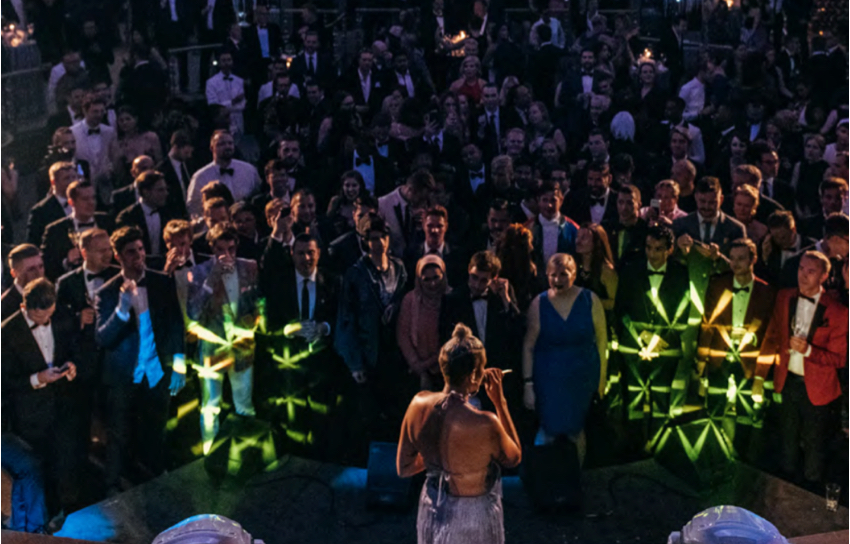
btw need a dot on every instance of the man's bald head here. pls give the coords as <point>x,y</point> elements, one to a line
<point>142,163</point>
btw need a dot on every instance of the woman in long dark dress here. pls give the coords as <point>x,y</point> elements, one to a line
<point>564,354</point>
<point>460,448</point>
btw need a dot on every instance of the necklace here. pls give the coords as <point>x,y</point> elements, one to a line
<point>459,396</point>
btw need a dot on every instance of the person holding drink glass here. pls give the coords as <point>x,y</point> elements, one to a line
<point>222,303</point>
<point>808,335</point>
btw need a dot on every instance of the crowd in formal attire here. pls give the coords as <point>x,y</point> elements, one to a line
<point>635,237</point>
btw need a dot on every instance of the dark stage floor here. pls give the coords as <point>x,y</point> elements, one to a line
<point>306,501</point>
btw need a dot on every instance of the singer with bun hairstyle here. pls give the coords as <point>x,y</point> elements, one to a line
<point>460,448</point>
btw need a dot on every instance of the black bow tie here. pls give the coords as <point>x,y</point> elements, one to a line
<point>360,160</point>
<point>228,78</point>
<point>810,299</point>
<point>476,175</point>
<point>225,171</point>
<point>736,290</point>
<point>34,326</point>
<point>85,225</point>
<point>103,274</point>
<point>481,297</point>
<point>94,131</point>
<point>655,273</point>
<point>587,73</point>
<point>597,201</point>
<point>187,264</point>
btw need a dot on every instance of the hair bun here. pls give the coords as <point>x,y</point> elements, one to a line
<point>461,332</point>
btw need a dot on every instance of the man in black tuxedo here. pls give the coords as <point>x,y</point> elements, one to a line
<point>771,186</point>
<point>348,248</point>
<point>389,147</point>
<point>596,203</point>
<point>782,243</point>
<point>75,292</point>
<point>311,65</point>
<point>544,66</point>
<point>443,147</point>
<point>39,362</point>
<point>435,225</point>
<point>75,295</point>
<point>747,174</point>
<point>307,219</point>
<point>216,211</point>
<point>834,245</point>
<point>25,265</point>
<point>72,113</point>
<point>365,86</point>
<point>125,197</point>
<point>61,254</point>
<point>178,173</point>
<point>147,84</point>
<point>279,187</point>
<point>376,170</point>
<point>738,308</point>
<point>55,205</point>
<point>705,236</point>
<point>650,319</point>
<point>832,193</point>
<point>263,40</point>
<point>627,235</point>
<point>298,292</point>
<point>150,214</point>
<point>140,328</point>
<point>487,305</point>
<point>471,177</point>
<point>175,23</point>
<point>412,85</point>
<point>489,125</point>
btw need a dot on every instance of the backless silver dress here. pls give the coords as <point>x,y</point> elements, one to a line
<point>446,519</point>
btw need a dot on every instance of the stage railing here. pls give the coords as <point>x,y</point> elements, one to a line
<point>24,99</point>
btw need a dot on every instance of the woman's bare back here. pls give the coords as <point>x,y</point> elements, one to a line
<point>457,439</point>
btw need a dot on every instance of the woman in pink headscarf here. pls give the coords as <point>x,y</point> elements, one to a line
<point>417,329</point>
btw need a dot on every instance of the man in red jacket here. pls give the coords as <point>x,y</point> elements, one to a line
<point>808,333</point>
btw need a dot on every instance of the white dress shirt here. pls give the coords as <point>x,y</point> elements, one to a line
<point>551,232</point>
<point>740,303</point>
<point>438,251</point>
<point>92,285</point>
<point>66,207</point>
<point>221,90</point>
<point>405,81</point>
<point>693,93</point>
<point>311,289</point>
<point>367,170</point>
<point>267,90</point>
<point>802,323</point>
<point>476,182</point>
<point>94,148</point>
<point>656,279</point>
<point>178,168</point>
<point>702,222</point>
<point>479,307</point>
<point>263,36</point>
<point>172,10</point>
<point>153,221</point>
<point>586,83</point>
<point>365,85</point>
<point>43,335</point>
<point>597,211</point>
<point>243,183</point>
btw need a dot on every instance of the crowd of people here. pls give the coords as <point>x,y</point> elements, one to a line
<point>615,226</point>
